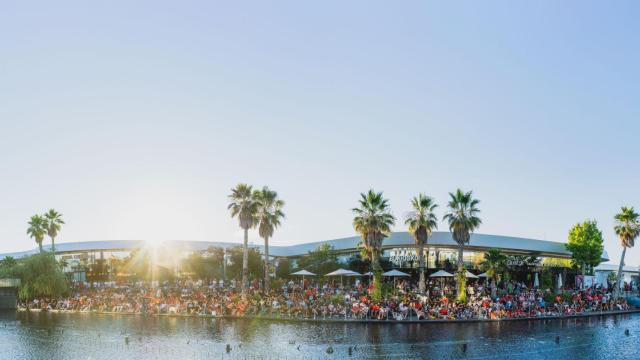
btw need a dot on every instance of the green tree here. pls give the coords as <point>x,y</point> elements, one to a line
<point>40,276</point>
<point>463,220</point>
<point>627,228</point>
<point>215,256</point>
<point>373,221</point>
<point>269,216</point>
<point>53,223</point>
<point>421,221</point>
<point>8,262</point>
<point>284,269</point>
<point>494,261</point>
<point>8,267</point>
<point>63,263</point>
<point>320,261</point>
<point>358,263</point>
<point>255,265</point>
<point>205,265</point>
<point>37,229</point>
<point>585,243</point>
<point>244,207</point>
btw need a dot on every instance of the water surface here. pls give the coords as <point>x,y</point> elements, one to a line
<point>93,336</point>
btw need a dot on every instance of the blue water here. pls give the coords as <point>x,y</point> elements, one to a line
<point>92,336</point>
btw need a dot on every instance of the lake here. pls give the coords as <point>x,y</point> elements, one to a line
<point>94,336</point>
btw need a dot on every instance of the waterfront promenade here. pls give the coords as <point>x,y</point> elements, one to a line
<point>336,319</point>
<point>332,303</point>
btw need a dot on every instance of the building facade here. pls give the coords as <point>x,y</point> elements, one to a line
<point>103,259</point>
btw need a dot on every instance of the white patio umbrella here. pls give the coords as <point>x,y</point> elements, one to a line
<point>483,275</point>
<point>354,273</point>
<point>536,282</point>
<point>368,273</point>
<point>303,273</point>
<point>395,273</point>
<point>441,273</point>
<point>469,275</point>
<point>340,272</point>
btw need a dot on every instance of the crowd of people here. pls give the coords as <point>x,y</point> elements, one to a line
<point>329,301</point>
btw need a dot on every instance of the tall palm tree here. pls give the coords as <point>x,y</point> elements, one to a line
<point>463,220</point>
<point>627,228</point>
<point>269,216</point>
<point>493,262</point>
<point>244,207</point>
<point>53,223</point>
<point>37,229</point>
<point>373,220</point>
<point>421,221</point>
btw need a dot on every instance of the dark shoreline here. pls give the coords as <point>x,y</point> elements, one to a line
<point>339,320</point>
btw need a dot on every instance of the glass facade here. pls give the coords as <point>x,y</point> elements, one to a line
<point>447,258</point>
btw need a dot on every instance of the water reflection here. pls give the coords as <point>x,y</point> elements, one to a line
<point>82,336</point>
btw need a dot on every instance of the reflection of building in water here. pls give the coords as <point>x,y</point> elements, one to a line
<point>105,259</point>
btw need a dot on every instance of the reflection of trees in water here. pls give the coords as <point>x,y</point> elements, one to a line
<point>48,339</point>
<point>245,330</point>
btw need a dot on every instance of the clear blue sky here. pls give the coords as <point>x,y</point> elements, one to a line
<point>135,120</point>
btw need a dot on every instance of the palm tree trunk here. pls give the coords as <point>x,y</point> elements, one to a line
<point>40,246</point>
<point>459,287</point>
<point>421,286</point>
<point>245,260</point>
<point>377,275</point>
<point>266,264</point>
<point>493,287</point>
<point>616,291</point>
<point>53,244</point>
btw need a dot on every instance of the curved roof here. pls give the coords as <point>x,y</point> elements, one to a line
<point>440,239</point>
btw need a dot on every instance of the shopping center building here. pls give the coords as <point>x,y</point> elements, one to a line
<point>398,249</point>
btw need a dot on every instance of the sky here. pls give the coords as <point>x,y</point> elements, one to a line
<point>136,119</point>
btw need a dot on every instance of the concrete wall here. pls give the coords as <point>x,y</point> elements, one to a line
<point>8,298</point>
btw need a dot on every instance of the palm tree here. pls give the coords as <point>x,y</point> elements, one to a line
<point>493,262</point>
<point>268,216</point>
<point>373,220</point>
<point>421,221</point>
<point>53,222</point>
<point>37,229</point>
<point>244,207</point>
<point>463,220</point>
<point>63,264</point>
<point>627,228</point>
